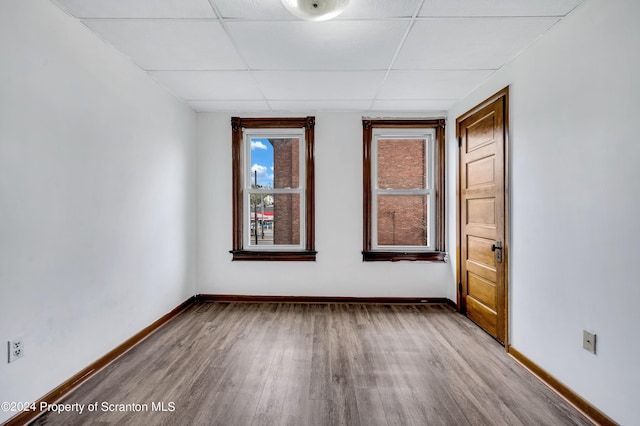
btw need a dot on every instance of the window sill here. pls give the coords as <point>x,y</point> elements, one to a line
<point>396,256</point>
<point>308,256</point>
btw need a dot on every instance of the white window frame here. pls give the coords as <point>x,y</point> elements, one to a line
<point>265,133</point>
<point>429,135</point>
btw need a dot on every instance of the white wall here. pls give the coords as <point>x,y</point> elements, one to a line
<point>575,100</point>
<point>339,270</point>
<point>97,198</point>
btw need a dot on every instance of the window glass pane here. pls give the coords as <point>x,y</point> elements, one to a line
<point>275,163</point>
<point>275,219</point>
<point>403,220</point>
<point>261,163</point>
<point>402,163</point>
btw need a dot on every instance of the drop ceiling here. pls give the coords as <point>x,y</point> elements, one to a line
<point>379,55</point>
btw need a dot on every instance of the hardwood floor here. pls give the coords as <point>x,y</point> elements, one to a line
<point>310,364</point>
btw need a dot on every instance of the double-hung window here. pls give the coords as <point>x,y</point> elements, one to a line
<point>403,190</point>
<point>273,188</point>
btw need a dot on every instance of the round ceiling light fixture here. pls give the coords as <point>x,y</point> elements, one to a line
<point>316,10</point>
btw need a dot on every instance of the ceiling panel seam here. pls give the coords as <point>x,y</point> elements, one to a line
<point>235,46</point>
<point>395,55</point>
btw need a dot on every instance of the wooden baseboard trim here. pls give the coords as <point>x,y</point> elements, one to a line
<point>62,390</point>
<point>580,403</point>
<point>325,299</point>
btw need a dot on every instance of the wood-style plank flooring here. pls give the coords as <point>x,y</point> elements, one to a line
<point>312,364</point>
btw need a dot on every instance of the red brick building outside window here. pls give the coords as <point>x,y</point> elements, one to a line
<point>403,189</point>
<point>286,207</point>
<point>403,219</point>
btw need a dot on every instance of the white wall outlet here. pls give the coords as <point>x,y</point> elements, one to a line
<point>589,341</point>
<point>16,349</point>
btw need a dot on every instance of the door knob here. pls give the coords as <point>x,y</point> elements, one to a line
<point>497,247</point>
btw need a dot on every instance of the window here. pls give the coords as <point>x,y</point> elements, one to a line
<point>273,188</point>
<point>403,190</point>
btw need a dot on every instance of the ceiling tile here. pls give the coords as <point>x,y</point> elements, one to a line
<point>498,7</point>
<point>431,84</point>
<point>459,43</point>
<point>230,105</point>
<point>273,9</point>
<point>209,85</point>
<point>379,9</point>
<point>138,8</point>
<point>413,106</point>
<point>319,85</point>
<point>253,9</point>
<point>287,64</point>
<point>332,45</point>
<point>320,105</point>
<point>170,44</point>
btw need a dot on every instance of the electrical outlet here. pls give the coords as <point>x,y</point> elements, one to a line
<point>589,341</point>
<point>16,349</point>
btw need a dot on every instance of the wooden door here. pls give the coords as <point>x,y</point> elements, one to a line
<point>482,135</point>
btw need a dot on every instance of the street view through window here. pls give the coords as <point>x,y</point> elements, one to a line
<point>274,193</point>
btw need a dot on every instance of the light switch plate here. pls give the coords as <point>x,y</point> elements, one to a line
<point>589,341</point>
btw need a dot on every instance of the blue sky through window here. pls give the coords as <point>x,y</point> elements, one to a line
<point>262,161</point>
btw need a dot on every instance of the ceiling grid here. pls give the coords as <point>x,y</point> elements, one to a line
<point>378,55</point>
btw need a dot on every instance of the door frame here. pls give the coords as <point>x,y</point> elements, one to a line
<point>504,93</point>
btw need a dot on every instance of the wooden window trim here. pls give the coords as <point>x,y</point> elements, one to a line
<point>437,255</point>
<point>238,251</point>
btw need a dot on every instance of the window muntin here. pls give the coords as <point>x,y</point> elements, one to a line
<point>273,188</point>
<point>403,189</point>
<point>403,193</point>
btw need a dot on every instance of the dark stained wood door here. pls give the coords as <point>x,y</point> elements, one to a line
<point>482,134</point>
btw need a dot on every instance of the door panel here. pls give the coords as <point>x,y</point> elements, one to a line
<point>482,315</point>
<point>488,274</point>
<point>481,172</point>
<point>481,211</point>
<point>482,136</point>
<point>481,132</point>
<point>479,252</point>
<point>484,291</point>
